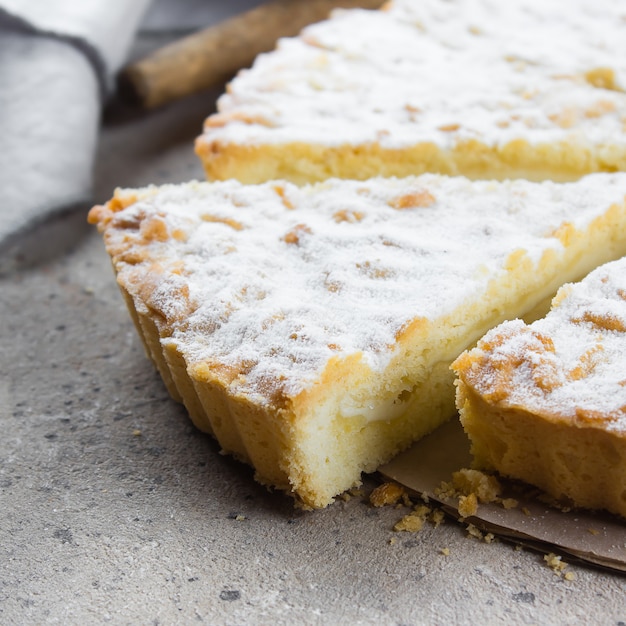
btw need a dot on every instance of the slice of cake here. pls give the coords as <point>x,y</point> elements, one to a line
<point>311,329</point>
<point>531,89</point>
<point>546,402</point>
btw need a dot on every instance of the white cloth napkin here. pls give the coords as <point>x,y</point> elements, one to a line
<point>57,60</point>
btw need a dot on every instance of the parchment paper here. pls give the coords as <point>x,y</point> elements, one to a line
<point>596,538</point>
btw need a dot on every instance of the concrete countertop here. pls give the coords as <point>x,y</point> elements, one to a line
<point>115,509</point>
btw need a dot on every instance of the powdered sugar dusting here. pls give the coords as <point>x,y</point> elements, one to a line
<point>442,71</point>
<point>275,280</point>
<point>572,363</point>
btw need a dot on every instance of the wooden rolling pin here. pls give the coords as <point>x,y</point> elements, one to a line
<point>212,56</point>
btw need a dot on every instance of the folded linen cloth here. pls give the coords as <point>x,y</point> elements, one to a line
<point>57,61</point>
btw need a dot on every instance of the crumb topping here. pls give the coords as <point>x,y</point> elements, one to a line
<point>264,282</point>
<point>492,72</point>
<point>570,365</point>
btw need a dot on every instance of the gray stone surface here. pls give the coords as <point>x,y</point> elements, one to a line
<point>114,509</point>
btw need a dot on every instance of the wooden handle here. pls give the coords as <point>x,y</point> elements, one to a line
<point>212,56</point>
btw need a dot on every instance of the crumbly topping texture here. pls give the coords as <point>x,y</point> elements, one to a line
<point>570,365</point>
<point>441,71</point>
<point>274,280</point>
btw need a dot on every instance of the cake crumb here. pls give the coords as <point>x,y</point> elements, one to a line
<point>489,538</point>
<point>392,541</point>
<point>437,517</point>
<point>555,563</point>
<point>446,490</point>
<point>136,433</point>
<point>472,487</point>
<point>422,510</point>
<point>468,481</point>
<point>421,513</point>
<point>240,518</point>
<point>569,576</point>
<point>525,511</point>
<point>593,531</point>
<point>445,551</point>
<point>472,531</point>
<point>411,523</point>
<point>406,500</point>
<point>386,494</point>
<point>468,505</point>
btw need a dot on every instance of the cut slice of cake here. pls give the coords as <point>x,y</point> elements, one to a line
<point>546,402</point>
<point>526,89</point>
<point>311,329</point>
